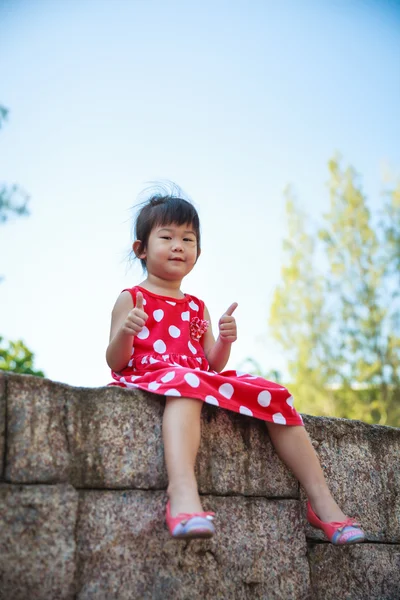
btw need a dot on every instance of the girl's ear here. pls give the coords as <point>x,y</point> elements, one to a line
<point>137,248</point>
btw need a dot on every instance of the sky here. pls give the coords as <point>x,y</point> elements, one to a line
<point>232,100</point>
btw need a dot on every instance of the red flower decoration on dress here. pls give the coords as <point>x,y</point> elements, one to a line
<point>197,328</point>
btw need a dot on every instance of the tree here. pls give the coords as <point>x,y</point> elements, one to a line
<point>336,311</point>
<point>299,320</point>
<point>14,356</point>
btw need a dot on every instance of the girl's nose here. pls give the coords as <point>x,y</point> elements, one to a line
<point>177,246</point>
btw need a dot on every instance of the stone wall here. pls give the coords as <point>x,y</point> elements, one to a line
<point>82,500</point>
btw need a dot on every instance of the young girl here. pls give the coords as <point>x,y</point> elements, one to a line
<point>161,341</point>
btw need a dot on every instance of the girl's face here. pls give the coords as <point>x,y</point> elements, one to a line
<point>171,251</point>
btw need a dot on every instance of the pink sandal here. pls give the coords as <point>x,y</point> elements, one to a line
<point>190,526</point>
<point>346,532</point>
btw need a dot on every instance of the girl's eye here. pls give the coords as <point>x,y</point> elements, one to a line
<point>165,237</point>
<point>188,240</point>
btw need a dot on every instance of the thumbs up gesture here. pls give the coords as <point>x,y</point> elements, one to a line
<point>136,318</point>
<point>227,325</point>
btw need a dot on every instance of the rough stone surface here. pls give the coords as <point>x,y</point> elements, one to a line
<point>37,444</point>
<point>125,552</point>
<point>116,442</point>
<point>115,439</point>
<point>361,464</point>
<point>3,382</point>
<point>236,457</point>
<point>359,572</point>
<point>118,546</point>
<point>111,438</point>
<point>37,545</point>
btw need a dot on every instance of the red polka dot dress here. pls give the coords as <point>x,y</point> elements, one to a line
<point>168,359</point>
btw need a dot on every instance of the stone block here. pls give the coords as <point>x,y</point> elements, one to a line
<point>359,572</point>
<point>37,444</point>
<point>116,442</point>
<point>116,439</point>
<point>236,457</point>
<point>361,464</point>
<point>112,438</point>
<point>125,551</point>
<point>37,545</point>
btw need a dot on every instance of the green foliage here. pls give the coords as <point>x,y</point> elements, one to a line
<point>16,357</point>
<point>336,312</point>
<point>13,201</point>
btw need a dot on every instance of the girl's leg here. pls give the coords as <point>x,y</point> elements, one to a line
<point>294,447</point>
<point>181,435</point>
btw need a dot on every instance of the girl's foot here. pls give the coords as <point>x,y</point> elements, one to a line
<point>327,509</point>
<point>323,504</point>
<point>183,499</point>
<point>190,526</point>
<point>339,533</point>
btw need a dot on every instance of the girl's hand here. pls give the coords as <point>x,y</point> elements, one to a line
<point>227,325</point>
<point>136,318</point>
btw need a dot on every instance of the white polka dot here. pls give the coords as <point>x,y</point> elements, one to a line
<point>170,302</point>
<point>153,360</point>
<point>174,331</point>
<point>192,380</point>
<point>144,301</point>
<point>130,363</point>
<point>144,360</point>
<point>209,373</point>
<point>133,377</point>
<point>245,411</point>
<point>226,390</point>
<point>168,377</point>
<point>131,385</point>
<point>159,346</point>
<point>154,385</point>
<point>172,393</point>
<point>279,418</point>
<point>197,369</point>
<point>122,379</point>
<point>165,357</point>
<point>264,398</point>
<point>199,359</point>
<point>193,305</point>
<point>158,314</point>
<point>133,351</point>
<point>142,335</point>
<point>212,400</point>
<point>290,401</point>
<point>185,316</point>
<point>192,348</point>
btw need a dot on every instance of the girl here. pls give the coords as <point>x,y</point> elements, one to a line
<point>161,341</point>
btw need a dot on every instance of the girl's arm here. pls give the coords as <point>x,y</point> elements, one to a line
<point>126,322</point>
<point>218,352</point>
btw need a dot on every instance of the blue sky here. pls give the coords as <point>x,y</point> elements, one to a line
<point>231,100</point>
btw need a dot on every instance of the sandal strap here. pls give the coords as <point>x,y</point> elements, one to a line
<point>349,522</point>
<point>185,517</point>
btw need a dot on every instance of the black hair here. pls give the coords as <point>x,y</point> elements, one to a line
<point>164,209</point>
